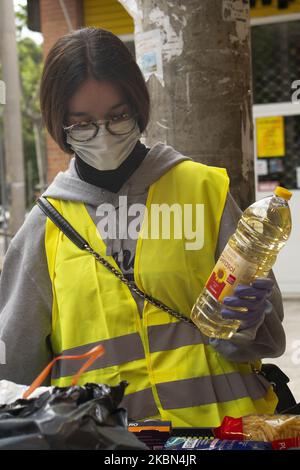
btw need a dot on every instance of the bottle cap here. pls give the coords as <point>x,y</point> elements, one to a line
<point>282,192</point>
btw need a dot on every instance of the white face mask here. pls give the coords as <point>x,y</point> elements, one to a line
<point>106,151</point>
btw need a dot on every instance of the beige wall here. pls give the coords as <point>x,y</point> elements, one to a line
<point>53,26</point>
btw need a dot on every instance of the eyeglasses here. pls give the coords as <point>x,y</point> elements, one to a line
<point>85,131</point>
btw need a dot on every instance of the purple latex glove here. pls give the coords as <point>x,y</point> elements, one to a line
<point>258,307</point>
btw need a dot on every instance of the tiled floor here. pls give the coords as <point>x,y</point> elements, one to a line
<point>290,361</point>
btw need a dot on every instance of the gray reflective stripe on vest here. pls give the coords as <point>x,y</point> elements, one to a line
<point>211,389</point>
<point>118,351</point>
<point>140,404</point>
<point>129,348</point>
<point>173,336</point>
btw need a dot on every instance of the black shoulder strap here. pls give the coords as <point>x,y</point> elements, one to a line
<point>81,243</point>
<point>61,222</point>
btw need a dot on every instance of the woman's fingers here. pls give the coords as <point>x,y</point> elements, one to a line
<point>235,315</point>
<point>249,291</point>
<point>250,304</point>
<point>252,297</point>
<point>263,283</point>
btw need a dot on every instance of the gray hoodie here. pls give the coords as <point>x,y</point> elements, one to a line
<point>25,285</point>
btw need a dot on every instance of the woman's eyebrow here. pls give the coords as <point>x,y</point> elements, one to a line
<point>78,113</point>
<point>84,113</point>
<point>117,105</point>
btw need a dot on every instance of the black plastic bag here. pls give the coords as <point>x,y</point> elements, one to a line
<point>78,417</point>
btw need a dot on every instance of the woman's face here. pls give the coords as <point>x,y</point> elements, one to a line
<point>96,100</point>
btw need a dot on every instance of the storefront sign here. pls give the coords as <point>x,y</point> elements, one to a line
<point>270,137</point>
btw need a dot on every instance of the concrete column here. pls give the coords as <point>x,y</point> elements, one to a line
<point>202,104</point>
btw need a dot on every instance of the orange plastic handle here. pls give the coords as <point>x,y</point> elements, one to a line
<point>93,354</point>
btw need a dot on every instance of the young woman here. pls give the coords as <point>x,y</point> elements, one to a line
<point>57,299</point>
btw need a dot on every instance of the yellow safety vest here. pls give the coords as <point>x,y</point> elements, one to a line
<point>172,371</point>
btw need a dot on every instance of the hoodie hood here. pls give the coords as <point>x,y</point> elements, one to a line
<point>67,185</point>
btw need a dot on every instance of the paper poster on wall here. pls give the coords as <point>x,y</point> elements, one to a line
<point>149,54</point>
<point>262,167</point>
<point>270,137</point>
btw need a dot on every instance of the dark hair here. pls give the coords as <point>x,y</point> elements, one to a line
<point>82,54</point>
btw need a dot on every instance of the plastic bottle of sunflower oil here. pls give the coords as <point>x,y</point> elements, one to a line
<point>250,252</point>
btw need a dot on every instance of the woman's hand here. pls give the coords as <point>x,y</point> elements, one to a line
<point>258,305</point>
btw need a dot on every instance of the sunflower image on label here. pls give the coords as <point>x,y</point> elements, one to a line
<point>230,270</point>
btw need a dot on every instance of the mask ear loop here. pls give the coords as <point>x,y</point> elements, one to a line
<point>92,355</point>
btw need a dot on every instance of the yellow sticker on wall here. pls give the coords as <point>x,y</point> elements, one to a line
<point>270,137</point>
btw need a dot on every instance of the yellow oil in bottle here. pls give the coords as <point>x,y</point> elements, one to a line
<point>251,252</point>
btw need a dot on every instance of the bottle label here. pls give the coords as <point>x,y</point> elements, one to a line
<point>231,269</point>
